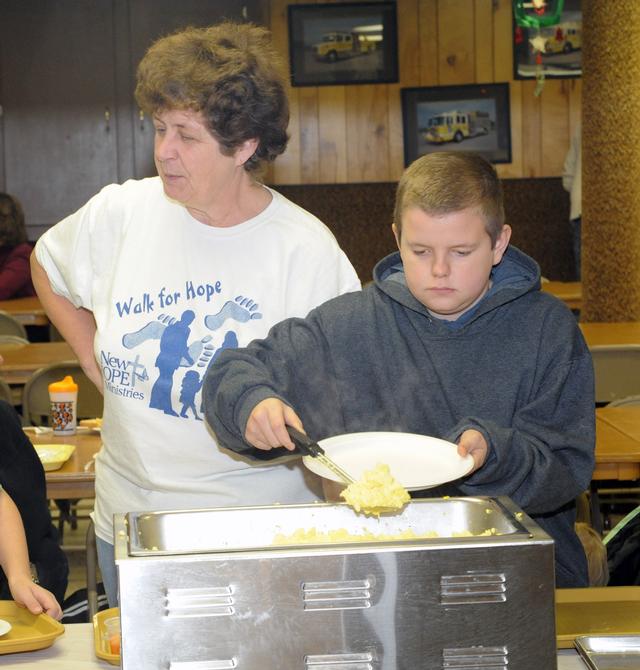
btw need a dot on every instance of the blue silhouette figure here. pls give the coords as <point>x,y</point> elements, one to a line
<point>175,351</point>
<point>191,384</point>
<point>173,348</point>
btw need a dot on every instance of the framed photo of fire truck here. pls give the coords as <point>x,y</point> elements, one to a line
<point>343,43</point>
<point>555,49</point>
<point>474,117</point>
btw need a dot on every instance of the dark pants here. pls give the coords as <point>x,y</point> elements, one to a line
<point>576,224</point>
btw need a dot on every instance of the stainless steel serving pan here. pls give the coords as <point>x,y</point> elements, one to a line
<point>208,590</point>
<point>610,652</point>
<point>235,529</point>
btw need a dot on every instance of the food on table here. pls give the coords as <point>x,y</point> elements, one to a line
<point>114,643</point>
<point>376,491</point>
<point>92,423</point>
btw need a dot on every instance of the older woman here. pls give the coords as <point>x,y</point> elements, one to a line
<point>151,279</point>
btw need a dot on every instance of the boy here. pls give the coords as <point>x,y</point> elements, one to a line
<point>454,340</point>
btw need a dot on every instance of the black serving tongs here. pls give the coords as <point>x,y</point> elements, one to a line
<point>308,447</point>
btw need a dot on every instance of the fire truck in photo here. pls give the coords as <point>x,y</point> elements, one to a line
<point>455,126</point>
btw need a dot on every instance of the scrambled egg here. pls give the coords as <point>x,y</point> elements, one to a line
<point>314,536</point>
<point>377,491</point>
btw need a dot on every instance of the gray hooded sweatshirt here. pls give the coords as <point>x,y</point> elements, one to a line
<point>515,367</point>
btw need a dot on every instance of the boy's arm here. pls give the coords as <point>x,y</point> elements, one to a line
<point>290,367</point>
<point>14,560</point>
<point>266,426</point>
<point>546,457</point>
<point>36,599</point>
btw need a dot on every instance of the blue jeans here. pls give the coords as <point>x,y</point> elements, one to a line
<point>108,570</point>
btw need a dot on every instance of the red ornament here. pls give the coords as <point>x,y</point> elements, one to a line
<point>519,35</point>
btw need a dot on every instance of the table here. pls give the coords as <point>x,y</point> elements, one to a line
<point>615,332</point>
<point>21,361</point>
<point>76,478</point>
<point>570,292</point>
<point>618,443</point>
<point>617,451</point>
<point>28,311</point>
<point>74,651</point>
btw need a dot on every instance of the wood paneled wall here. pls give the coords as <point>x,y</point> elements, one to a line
<point>349,134</point>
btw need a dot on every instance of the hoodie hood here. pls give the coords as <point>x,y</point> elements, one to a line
<point>515,275</point>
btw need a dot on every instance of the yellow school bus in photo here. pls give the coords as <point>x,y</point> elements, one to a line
<point>336,45</point>
<point>455,126</point>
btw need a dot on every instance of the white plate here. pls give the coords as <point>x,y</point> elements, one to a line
<point>5,627</point>
<point>416,461</point>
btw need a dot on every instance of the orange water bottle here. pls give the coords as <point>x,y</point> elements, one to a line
<point>64,401</point>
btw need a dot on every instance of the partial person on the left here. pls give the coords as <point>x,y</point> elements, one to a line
<point>15,251</point>
<point>29,548</point>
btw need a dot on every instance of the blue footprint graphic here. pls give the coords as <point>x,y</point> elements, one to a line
<point>240,310</point>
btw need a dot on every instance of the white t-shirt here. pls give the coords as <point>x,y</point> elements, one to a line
<point>167,293</point>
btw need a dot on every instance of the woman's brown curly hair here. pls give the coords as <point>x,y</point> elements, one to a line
<point>231,73</point>
<point>13,230</point>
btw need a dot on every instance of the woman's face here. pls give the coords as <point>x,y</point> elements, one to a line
<point>188,158</point>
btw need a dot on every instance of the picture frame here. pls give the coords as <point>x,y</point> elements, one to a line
<point>562,56</point>
<point>343,43</point>
<point>469,117</point>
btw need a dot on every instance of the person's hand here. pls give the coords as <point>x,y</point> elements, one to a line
<point>266,427</point>
<point>1,359</point>
<point>473,442</point>
<point>28,594</point>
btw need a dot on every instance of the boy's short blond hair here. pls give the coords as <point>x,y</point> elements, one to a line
<point>450,181</point>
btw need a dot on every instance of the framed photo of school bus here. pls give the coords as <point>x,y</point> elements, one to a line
<point>343,43</point>
<point>474,117</point>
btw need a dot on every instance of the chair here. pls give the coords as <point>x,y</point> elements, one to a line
<point>5,392</point>
<point>36,409</point>
<point>9,342</point>
<point>12,341</point>
<point>617,371</point>
<point>628,400</point>
<point>617,493</point>
<point>9,325</point>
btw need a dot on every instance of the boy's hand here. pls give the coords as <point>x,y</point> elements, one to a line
<point>473,442</point>
<point>36,599</point>
<point>266,427</point>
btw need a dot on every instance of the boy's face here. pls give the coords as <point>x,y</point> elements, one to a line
<point>448,258</point>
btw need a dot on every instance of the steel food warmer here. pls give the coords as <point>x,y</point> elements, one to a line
<point>209,590</point>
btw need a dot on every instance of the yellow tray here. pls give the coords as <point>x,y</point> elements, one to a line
<point>28,631</point>
<point>598,610</point>
<point>54,456</point>
<point>100,644</point>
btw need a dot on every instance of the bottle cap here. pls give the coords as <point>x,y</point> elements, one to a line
<point>63,386</point>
